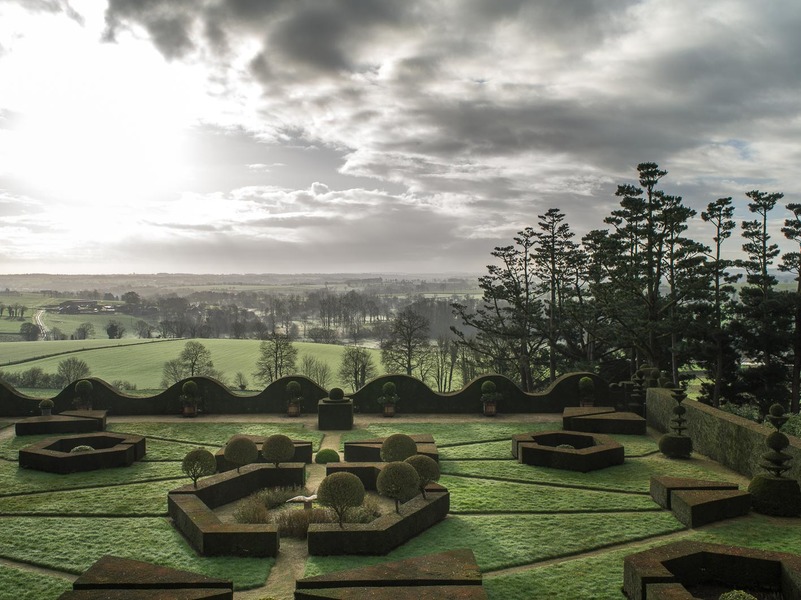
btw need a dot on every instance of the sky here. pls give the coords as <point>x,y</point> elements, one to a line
<point>410,136</point>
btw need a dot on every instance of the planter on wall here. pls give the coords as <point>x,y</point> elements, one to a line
<point>490,409</point>
<point>389,410</point>
<point>293,410</point>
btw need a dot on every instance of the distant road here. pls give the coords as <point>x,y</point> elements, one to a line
<point>38,319</point>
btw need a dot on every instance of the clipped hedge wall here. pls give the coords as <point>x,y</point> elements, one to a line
<point>733,441</point>
<point>415,397</point>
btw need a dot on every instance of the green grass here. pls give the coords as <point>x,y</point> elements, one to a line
<point>633,476</point>
<point>31,586</point>
<point>509,540</point>
<point>73,544</point>
<point>212,434</point>
<point>69,323</point>
<point>139,499</point>
<point>142,363</point>
<point>476,496</point>
<point>447,434</point>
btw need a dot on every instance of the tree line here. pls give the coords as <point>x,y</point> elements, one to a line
<point>640,291</point>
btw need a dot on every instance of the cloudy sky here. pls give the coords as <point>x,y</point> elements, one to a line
<point>373,135</point>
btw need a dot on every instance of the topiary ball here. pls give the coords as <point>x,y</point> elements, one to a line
<point>81,448</point>
<point>326,455</point>
<point>341,491</point>
<point>399,481</point>
<point>397,447</point>
<point>83,388</point>
<point>189,388</point>
<point>775,496</point>
<point>278,448</point>
<point>293,389</point>
<point>737,595</point>
<point>776,410</point>
<point>427,469</point>
<point>241,451</point>
<point>488,387</point>
<point>336,394</point>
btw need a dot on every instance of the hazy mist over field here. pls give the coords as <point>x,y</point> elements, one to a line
<point>346,136</point>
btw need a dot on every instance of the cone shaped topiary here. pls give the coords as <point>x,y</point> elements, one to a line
<point>772,493</point>
<point>676,444</point>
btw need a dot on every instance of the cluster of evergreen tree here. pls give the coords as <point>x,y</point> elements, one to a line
<point>642,292</point>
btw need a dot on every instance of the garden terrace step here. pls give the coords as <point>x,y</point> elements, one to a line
<point>77,421</point>
<point>114,578</point>
<point>303,452</point>
<point>447,575</point>
<point>369,450</point>
<point>589,452</point>
<point>109,450</point>
<point>662,487</point>
<point>696,508</point>
<point>648,574</point>
<point>606,421</point>
<point>191,510</point>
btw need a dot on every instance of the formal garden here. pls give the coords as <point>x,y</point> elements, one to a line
<point>554,529</point>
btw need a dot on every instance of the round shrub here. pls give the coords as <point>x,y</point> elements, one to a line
<point>586,386</point>
<point>566,447</point>
<point>397,447</point>
<point>737,595</point>
<point>488,387</point>
<point>198,463</point>
<point>83,388</point>
<point>340,491</point>
<point>388,394</point>
<point>81,448</point>
<point>189,389</point>
<point>241,451</point>
<point>326,455</point>
<point>46,403</point>
<point>399,481</point>
<point>336,394</point>
<point>278,448</point>
<point>427,470</point>
<point>293,389</point>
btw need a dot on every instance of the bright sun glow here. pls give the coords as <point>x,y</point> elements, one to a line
<point>96,134</point>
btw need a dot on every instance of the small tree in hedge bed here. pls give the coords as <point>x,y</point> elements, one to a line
<point>341,491</point>
<point>198,463</point>
<point>399,481</point>
<point>278,448</point>
<point>241,451</point>
<point>427,470</point>
<point>397,447</point>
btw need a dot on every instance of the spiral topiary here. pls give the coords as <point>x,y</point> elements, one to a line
<point>399,481</point>
<point>326,455</point>
<point>398,446</point>
<point>341,491</point>
<point>677,444</point>
<point>198,463</point>
<point>772,493</point>
<point>241,451</point>
<point>427,470</point>
<point>278,448</point>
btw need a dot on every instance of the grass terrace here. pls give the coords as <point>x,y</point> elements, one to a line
<point>536,532</point>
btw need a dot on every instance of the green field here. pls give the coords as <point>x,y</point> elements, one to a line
<point>142,363</point>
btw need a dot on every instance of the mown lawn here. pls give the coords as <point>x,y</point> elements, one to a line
<point>535,532</point>
<point>141,362</point>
